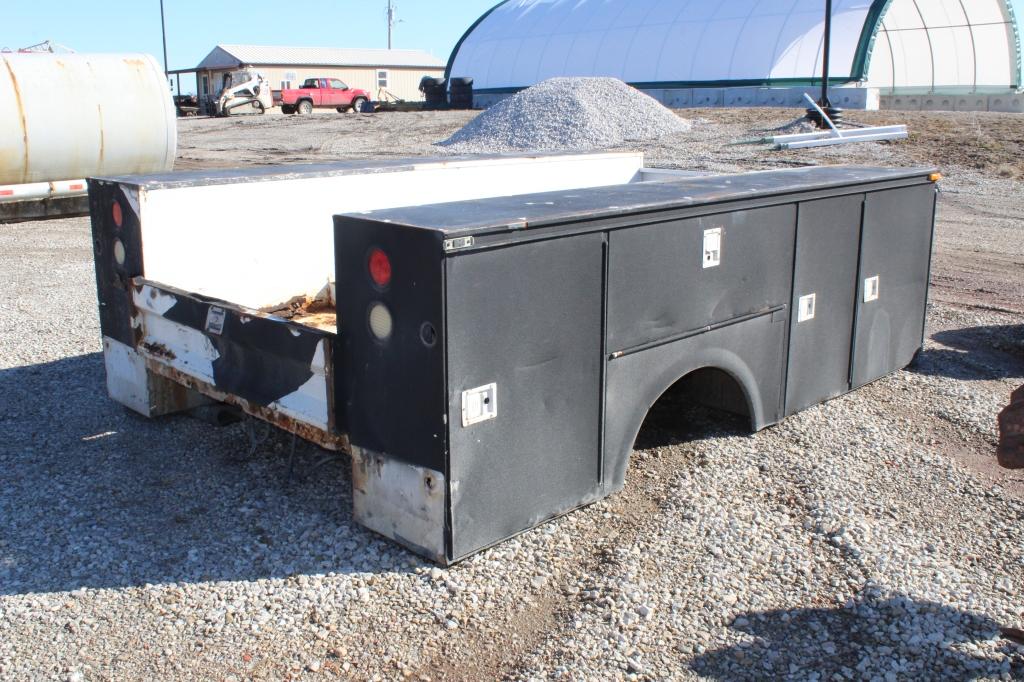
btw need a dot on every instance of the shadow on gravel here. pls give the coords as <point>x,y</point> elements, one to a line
<point>910,639</point>
<point>975,353</point>
<point>93,495</point>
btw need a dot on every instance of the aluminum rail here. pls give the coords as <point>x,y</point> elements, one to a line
<point>828,141</point>
<point>836,136</point>
<point>855,132</point>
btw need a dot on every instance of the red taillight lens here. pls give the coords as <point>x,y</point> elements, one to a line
<point>115,213</point>
<point>380,268</point>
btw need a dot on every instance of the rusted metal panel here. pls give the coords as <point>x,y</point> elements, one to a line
<point>129,383</point>
<point>274,368</point>
<point>328,441</point>
<point>43,209</point>
<point>400,501</point>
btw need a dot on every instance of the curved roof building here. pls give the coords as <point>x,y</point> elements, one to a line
<point>899,46</point>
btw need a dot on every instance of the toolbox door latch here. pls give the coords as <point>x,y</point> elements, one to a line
<point>712,247</point>
<point>871,289</point>
<point>479,404</point>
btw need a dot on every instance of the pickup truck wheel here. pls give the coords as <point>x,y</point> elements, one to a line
<point>357,105</point>
<point>305,107</point>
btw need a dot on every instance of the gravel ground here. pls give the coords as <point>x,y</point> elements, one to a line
<point>868,538</point>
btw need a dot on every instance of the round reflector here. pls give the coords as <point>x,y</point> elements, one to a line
<point>380,268</point>
<point>380,321</point>
<point>119,253</point>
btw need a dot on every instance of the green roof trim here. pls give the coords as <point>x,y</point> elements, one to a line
<point>1012,12</point>
<point>868,35</point>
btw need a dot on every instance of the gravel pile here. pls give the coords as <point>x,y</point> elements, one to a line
<point>568,114</point>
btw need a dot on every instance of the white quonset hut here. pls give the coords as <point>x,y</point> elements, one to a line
<point>940,54</point>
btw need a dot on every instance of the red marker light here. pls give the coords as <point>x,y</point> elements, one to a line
<point>380,268</point>
<point>116,213</point>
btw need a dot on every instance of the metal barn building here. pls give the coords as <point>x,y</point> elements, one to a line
<point>397,71</point>
<point>940,54</point>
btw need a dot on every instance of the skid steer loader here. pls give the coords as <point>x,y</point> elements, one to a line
<point>244,92</point>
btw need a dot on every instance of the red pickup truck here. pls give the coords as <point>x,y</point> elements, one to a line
<point>322,93</point>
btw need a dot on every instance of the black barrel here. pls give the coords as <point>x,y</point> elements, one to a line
<point>461,93</point>
<point>435,91</point>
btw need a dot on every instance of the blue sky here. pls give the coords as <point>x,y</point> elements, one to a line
<point>195,26</point>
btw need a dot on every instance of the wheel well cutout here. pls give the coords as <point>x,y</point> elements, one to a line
<point>705,403</point>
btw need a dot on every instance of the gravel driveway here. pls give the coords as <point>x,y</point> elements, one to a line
<point>868,538</point>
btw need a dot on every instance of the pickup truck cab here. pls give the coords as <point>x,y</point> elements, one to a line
<point>322,93</point>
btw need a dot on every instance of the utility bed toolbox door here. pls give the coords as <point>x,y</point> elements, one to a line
<point>892,287</point>
<point>824,295</point>
<point>526,319</point>
<point>678,276</point>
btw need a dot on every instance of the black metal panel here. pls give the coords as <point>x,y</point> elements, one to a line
<point>527,318</point>
<point>113,279</point>
<point>518,216</point>
<point>895,247</point>
<point>752,352</point>
<point>390,395</point>
<point>659,287</point>
<point>827,247</point>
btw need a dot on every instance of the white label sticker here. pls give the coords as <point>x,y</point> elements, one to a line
<point>871,289</point>
<point>479,404</point>
<point>712,247</point>
<point>215,320</point>
<point>806,310</point>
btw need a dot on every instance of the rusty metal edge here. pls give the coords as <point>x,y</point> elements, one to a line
<point>43,209</point>
<point>329,441</point>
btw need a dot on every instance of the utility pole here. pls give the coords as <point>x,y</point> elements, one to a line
<point>391,21</point>
<point>833,113</point>
<point>823,102</point>
<point>163,33</point>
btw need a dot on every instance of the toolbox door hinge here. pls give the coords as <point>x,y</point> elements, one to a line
<point>458,243</point>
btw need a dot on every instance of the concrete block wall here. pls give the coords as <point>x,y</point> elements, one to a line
<point>869,99</point>
<point>1009,102</point>
<point>684,98</point>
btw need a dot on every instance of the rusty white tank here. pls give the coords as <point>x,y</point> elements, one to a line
<point>72,116</point>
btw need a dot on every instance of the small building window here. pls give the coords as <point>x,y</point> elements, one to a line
<point>382,78</point>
